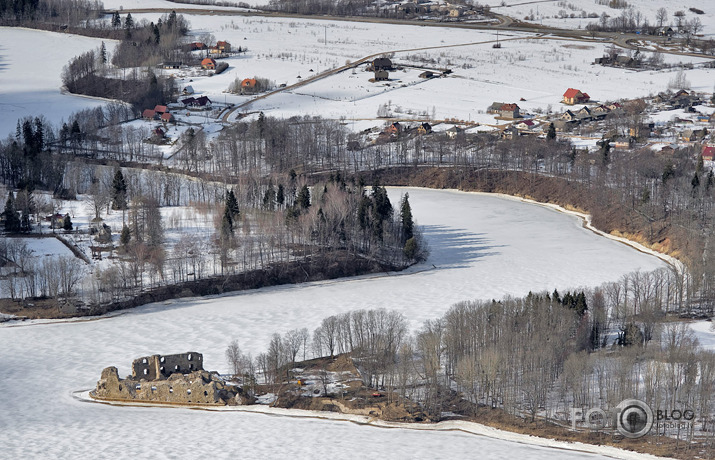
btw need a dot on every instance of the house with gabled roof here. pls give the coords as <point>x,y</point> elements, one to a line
<point>574,96</point>
<point>509,111</point>
<point>691,135</point>
<point>494,108</point>
<point>161,109</point>
<point>167,117</point>
<point>455,132</point>
<point>569,116</point>
<point>395,128</point>
<point>525,125</point>
<point>424,128</point>
<point>584,114</point>
<point>202,102</point>
<point>148,114</point>
<point>196,46</point>
<point>382,63</point>
<point>615,107</point>
<point>208,64</point>
<point>248,84</point>
<point>599,112</point>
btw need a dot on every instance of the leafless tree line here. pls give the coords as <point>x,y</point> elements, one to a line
<point>533,357</point>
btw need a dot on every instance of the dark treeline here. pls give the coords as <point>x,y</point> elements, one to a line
<point>143,45</point>
<point>337,8</point>
<point>149,43</point>
<point>37,154</point>
<point>281,222</point>
<point>86,74</point>
<point>66,12</point>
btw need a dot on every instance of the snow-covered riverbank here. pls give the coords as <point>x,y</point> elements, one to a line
<point>482,247</point>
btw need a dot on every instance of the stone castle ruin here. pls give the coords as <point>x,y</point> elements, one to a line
<point>168,379</point>
<point>156,367</point>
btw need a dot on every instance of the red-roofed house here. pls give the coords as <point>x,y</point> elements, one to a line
<point>509,111</point>
<point>224,47</point>
<point>573,96</point>
<point>525,125</point>
<point>208,64</point>
<point>708,153</point>
<point>167,117</point>
<point>248,83</point>
<point>196,46</point>
<point>148,114</point>
<point>161,109</point>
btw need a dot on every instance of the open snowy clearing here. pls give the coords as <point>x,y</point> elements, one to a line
<point>535,68</point>
<point>557,13</point>
<point>31,63</point>
<point>482,247</point>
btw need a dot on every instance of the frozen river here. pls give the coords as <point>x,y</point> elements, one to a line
<point>482,247</point>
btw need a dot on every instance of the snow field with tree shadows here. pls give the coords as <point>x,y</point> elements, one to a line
<point>31,63</point>
<point>483,247</point>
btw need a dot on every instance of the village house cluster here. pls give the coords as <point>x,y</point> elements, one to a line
<point>693,129</point>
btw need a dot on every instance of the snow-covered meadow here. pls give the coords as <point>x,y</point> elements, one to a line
<point>31,63</point>
<point>532,67</point>
<point>483,246</point>
<point>557,13</point>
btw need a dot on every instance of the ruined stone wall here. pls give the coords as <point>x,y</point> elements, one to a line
<point>198,387</point>
<point>162,366</point>
<point>172,379</point>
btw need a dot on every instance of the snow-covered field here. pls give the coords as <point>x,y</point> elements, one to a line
<point>548,12</point>
<point>31,63</point>
<point>537,69</point>
<point>558,13</point>
<point>482,247</point>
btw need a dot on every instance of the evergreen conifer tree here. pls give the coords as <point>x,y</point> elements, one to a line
<point>67,225</point>
<point>232,205</point>
<point>551,133</point>
<point>12,219</point>
<point>226,224</point>
<point>406,218</point>
<point>119,191</point>
<point>303,198</point>
<point>125,237</point>
<point>116,20</point>
<point>280,195</point>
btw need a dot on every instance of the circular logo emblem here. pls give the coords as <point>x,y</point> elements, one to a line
<point>635,418</point>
